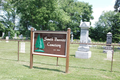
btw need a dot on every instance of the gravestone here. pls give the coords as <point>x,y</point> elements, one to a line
<point>118,44</point>
<point>9,34</point>
<point>26,38</point>
<point>21,36</point>
<point>109,55</point>
<point>109,38</point>
<point>72,38</point>
<point>3,35</point>
<point>7,39</point>
<point>83,49</point>
<point>15,37</point>
<point>22,48</point>
<point>108,42</point>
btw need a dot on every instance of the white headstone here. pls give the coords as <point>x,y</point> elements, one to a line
<point>72,38</point>
<point>22,48</point>
<point>83,49</point>
<point>7,39</point>
<point>109,55</point>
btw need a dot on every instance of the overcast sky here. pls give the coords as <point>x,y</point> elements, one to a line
<point>99,6</point>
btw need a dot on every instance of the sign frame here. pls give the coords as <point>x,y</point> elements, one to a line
<point>47,54</point>
<point>51,55</point>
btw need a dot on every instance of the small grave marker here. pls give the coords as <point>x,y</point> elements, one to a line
<point>15,37</point>
<point>72,38</point>
<point>7,39</point>
<point>109,55</point>
<point>22,49</point>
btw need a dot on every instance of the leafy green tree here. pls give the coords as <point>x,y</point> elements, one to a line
<point>9,17</point>
<point>103,26</point>
<point>116,27</point>
<point>35,13</point>
<point>108,22</point>
<point>42,14</point>
<point>78,11</point>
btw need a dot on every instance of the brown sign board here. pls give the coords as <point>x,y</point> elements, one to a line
<point>50,43</point>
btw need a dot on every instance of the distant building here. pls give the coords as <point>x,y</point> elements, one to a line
<point>117,6</point>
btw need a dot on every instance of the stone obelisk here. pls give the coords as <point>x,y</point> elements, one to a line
<point>83,49</point>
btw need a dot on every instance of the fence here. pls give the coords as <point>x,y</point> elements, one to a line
<point>101,45</point>
<point>94,46</point>
<point>18,44</point>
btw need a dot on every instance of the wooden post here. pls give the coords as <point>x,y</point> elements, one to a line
<point>68,47</point>
<point>18,50</point>
<point>57,62</point>
<point>31,55</point>
<point>112,58</point>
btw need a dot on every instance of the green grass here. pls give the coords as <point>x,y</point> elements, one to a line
<point>44,68</point>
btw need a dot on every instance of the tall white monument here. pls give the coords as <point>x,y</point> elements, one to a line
<point>83,49</point>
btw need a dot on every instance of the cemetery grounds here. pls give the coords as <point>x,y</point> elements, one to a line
<point>44,68</point>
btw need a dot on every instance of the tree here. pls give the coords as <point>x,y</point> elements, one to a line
<point>53,14</point>
<point>9,17</point>
<point>78,11</point>
<point>116,27</point>
<point>39,44</point>
<point>108,22</point>
<point>35,13</point>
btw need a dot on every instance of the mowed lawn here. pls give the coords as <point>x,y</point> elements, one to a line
<point>44,68</point>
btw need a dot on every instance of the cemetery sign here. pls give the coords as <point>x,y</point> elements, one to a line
<point>49,43</point>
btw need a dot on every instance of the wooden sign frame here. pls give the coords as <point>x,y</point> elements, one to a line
<point>66,52</point>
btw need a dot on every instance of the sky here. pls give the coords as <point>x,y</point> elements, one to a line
<point>98,7</point>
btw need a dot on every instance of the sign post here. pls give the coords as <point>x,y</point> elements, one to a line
<point>50,43</point>
<point>31,55</point>
<point>68,47</point>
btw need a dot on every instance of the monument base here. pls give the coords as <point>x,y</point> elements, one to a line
<point>83,55</point>
<point>105,51</point>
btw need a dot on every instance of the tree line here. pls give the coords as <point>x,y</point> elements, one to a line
<point>108,22</point>
<point>55,15</point>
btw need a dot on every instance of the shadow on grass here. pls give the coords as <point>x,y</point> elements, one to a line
<point>72,55</point>
<point>45,68</point>
<point>8,59</point>
<point>45,63</point>
<point>42,63</point>
<point>88,68</point>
